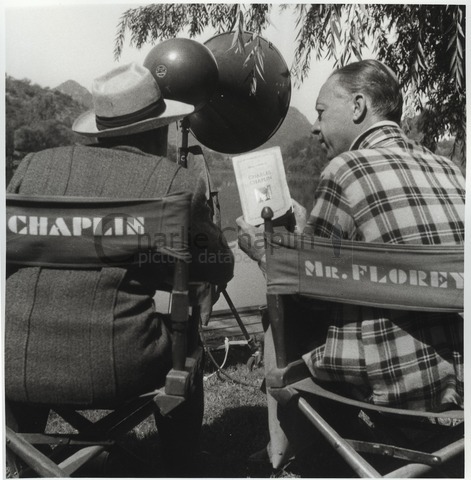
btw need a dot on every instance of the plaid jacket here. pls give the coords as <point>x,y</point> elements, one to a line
<point>390,189</point>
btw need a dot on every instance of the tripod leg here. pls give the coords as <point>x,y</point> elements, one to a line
<point>237,317</point>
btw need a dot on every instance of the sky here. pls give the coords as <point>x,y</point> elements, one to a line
<point>50,42</point>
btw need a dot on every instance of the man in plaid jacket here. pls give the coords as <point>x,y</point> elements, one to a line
<point>380,186</point>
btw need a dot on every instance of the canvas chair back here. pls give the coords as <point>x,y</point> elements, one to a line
<point>81,232</point>
<point>408,277</point>
<point>404,277</point>
<point>91,233</point>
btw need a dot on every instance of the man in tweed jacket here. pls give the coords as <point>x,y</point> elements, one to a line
<point>107,343</point>
<point>380,186</point>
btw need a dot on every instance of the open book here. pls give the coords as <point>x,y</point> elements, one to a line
<point>261,182</point>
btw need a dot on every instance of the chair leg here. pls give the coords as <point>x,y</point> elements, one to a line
<point>180,430</point>
<point>12,464</point>
<point>356,461</point>
<point>32,456</point>
<point>21,418</point>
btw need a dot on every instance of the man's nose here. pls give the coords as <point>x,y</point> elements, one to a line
<point>315,130</point>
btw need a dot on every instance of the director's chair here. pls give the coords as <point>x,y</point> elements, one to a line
<point>408,277</point>
<point>95,233</point>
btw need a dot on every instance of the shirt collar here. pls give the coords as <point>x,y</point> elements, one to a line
<point>365,139</point>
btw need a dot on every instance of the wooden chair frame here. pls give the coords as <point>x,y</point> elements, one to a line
<point>73,451</point>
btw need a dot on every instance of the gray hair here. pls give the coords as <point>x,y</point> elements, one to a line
<point>378,82</point>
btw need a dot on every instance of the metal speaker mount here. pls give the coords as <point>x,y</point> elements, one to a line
<point>236,119</point>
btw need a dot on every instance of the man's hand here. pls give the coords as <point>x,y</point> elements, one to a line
<point>251,240</point>
<point>300,213</point>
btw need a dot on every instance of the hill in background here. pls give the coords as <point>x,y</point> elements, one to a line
<point>36,118</point>
<point>39,118</point>
<point>80,94</point>
<point>294,127</point>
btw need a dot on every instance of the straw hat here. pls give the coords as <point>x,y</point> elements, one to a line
<point>128,100</point>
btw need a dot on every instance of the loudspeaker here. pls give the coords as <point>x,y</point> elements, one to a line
<point>249,102</point>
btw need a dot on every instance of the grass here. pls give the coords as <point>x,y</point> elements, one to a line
<point>234,426</point>
<point>234,423</point>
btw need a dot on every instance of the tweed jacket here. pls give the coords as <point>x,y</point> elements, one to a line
<point>390,189</point>
<point>101,345</point>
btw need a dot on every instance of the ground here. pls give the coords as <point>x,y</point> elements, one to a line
<point>234,427</point>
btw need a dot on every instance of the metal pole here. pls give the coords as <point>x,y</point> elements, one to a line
<point>250,340</point>
<point>414,470</point>
<point>183,150</point>
<point>345,450</point>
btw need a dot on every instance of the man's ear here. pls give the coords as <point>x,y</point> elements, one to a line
<point>360,107</point>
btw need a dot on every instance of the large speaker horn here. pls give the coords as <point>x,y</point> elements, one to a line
<point>237,119</point>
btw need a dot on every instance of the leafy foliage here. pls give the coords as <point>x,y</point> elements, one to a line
<point>428,54</point>
<point>158,22</point>
<point>38,118</point>
<point>423,44</point>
